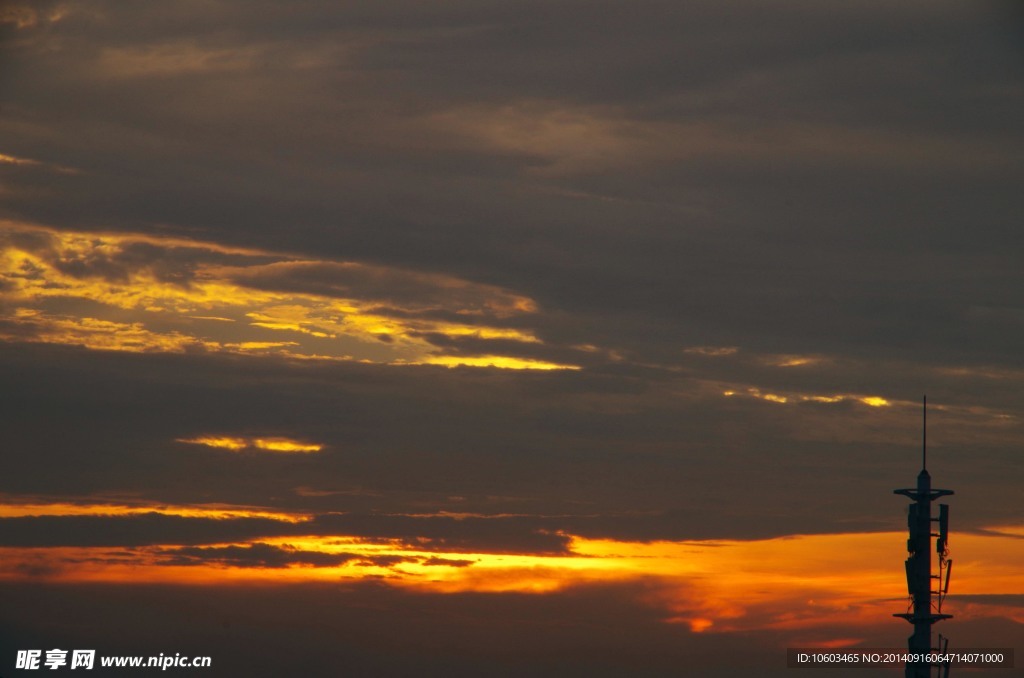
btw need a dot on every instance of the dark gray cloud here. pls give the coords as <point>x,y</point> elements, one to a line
<point>629,453</point>
<point>514,534</point>
<point>385,287</point>
<point>140,530</point>
<point>454,534</point>
<point>251,555</point>
<point>774,176</point>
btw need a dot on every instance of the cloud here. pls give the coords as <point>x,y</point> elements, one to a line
<point>29,15</point>
<point>132,530</point>
<point>451,534</point>
<point>171,59</point>
<point>632,177</point>
<point>31,163</point>
<point>60,285</point>
<point>608,451</point>
<point>252,555</point>
<point>691,583</point>
<point>384,286</point>
<point>270,444</point>
<point>18,507</point>
<point>449,562</point>
<point>105,526</point>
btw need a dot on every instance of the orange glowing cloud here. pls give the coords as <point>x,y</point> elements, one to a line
<point>502,362</point>
<point>789,583</point>
<point>792,397</point>
<point>139,293</point>
<point>285,445</point>
<point>29,162</point>
<point>210,511</point>
<point>269,444</point>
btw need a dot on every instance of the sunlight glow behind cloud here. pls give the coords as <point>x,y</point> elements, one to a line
<point>138,293</point>
<point>802,580</point>
<point>269,444</point>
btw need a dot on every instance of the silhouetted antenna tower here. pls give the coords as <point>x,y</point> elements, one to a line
<point>927,590</point>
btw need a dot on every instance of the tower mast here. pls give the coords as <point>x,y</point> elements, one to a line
<point>925,603</point>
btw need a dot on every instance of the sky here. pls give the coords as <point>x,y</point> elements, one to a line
<point>511,338</point>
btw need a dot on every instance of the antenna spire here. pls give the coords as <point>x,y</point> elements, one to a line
<point>924,433</point>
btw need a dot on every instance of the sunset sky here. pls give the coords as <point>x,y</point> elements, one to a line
<point>468,338</point>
